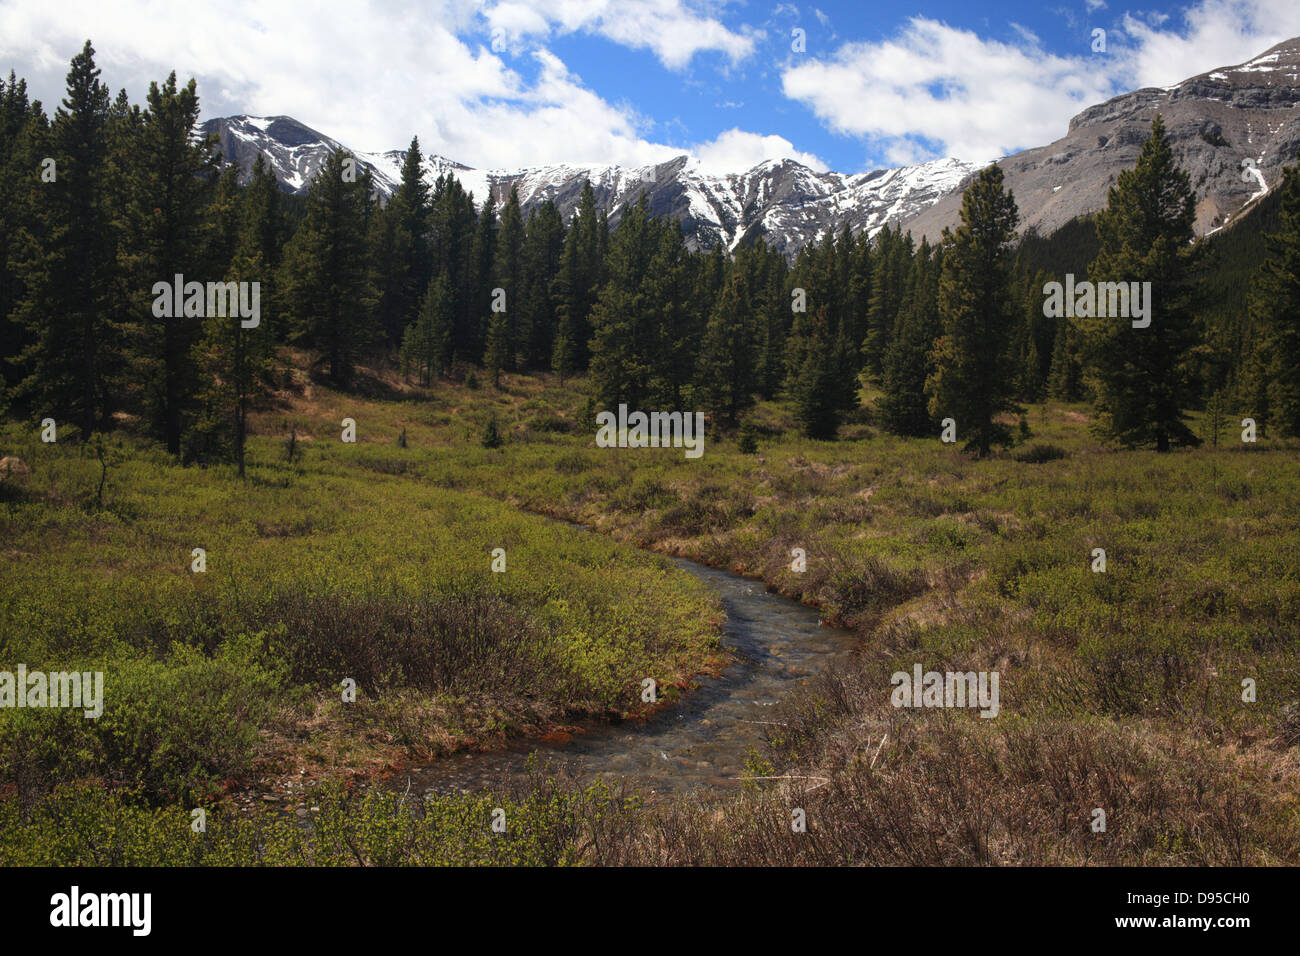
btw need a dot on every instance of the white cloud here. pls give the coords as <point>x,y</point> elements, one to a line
<point>735,151</point>
<point>1092,6</point>
<point>1210,34</point>
<point>370,73</point>
<point>670,28</point>
<point>934,83</point>
<point>937,90</point>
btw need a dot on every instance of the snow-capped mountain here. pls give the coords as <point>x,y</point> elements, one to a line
<point>1232,129</point>
<point>782,200</point>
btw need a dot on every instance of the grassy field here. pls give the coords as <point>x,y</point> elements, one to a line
<point>1120,691</point>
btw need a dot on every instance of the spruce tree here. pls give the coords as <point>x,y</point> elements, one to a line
<point>1139,374</point>
<point>508,273</point>
<point>23,131</point>
<point>904,407</point>
<point>235,361</point>
<point>816,387</point>
<point>325,271</point>
<point>169,229</point>
<point>542,250</point>
<point>426,344</point>
<point>972,381</point>
<point>623,318</point>
<point>1274,385</point>
<point>68,271</point>
<point>725,369</point>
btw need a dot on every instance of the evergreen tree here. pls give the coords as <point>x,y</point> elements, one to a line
<point>1273,385</point>
<point>1065,381</point>
<point>542,250</point>
<point>426,343</point>
<point>623,317</point>
<point>325,272</point>
<point>484,259</point>
<point>235,361</point>
<point>904,407</point>
<point>1140,376</point>
<point>816,388</point>
<point>68,268</point>
<point>496,354</point>
<point>971,382</point>
<point>169,234</point>
<point>453,228</point>
<point>509,272</point>
<point>725,371</point>
<point>23,129</point>
<point>581,273</point>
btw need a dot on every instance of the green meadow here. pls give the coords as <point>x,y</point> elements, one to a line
<point>1124,690</point>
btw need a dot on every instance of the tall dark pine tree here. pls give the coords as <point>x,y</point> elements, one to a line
<point>581,275</point>
<point>904,407</point>
<point>171,185</point>
<point>1139,374</point>
<point>23,129</point>
<point>972,382</point>
<point>542,249</point>
<point>235,359</point>
<point>454,225</point>
<point>1273,383</point>
<point>325,272</point>
<point>400,244</point>
<point>508,271</point>
<point>69,273</point>
<point>623,318</point>
<point>426,344</point>
<point>816,386</point>
<point>725,369</point>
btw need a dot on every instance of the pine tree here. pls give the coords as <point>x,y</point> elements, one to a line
<point>325,271</point>
<point>542,250</point>
<point>1141,382</point>
<point>496,353</point>
<point>1065,381</point>
<point>904,407</point>
<point>484,258</point>
<point>1274,382</point>
<point>453,225</point>
<point>171,187</point>
<point>426,344</point>
<point>23,129</point>
<point>725,369</point>
<point>816,388</point>
<point>235,361</point>
<point>508,271</point>
<point>623,318</point>
<point>68,273</point>
<point>971,382</point>
<point>582,273</point>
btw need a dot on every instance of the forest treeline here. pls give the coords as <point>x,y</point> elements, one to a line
<point>104,199</point>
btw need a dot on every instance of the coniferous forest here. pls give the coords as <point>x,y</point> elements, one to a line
<point>448,282</point>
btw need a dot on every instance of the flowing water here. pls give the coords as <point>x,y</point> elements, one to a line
<point>699,742</point>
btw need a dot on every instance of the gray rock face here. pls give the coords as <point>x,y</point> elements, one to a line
<point>1232,129</point>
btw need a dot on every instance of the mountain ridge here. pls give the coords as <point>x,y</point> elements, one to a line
<point>1232,128</point>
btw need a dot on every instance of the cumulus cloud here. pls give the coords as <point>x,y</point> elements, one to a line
<point>371,73</point>
<point>936,90</point>
<point>735,151</point>
<point>979,98</point>
<point>670,28</point>
<point>1209,34</point>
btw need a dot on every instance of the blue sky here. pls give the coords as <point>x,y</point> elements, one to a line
<point>507,83</point>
